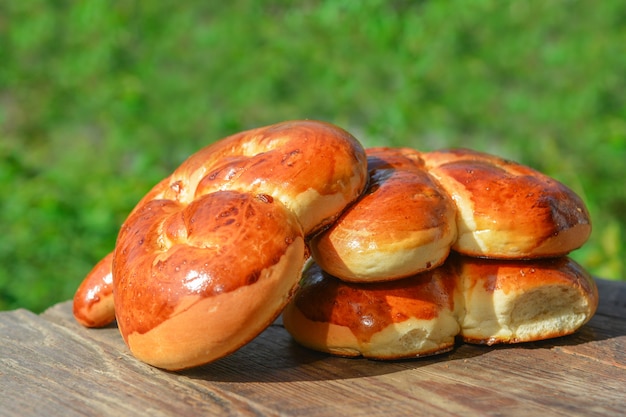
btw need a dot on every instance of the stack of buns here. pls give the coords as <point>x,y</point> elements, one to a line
<point>385,252</point>
<point>445,245</point>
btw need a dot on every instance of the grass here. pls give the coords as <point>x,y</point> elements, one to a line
<point>100,100</point>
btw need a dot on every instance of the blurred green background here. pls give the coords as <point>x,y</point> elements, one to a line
<point>99,100</point>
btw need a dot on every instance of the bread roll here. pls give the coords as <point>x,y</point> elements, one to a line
<point>415,316</point>
<point>195,283</point>
<point>482,301</point>
<point>403,224</point>
<point>507,210</point>
<point>522,301</point>
<point>210,256</point>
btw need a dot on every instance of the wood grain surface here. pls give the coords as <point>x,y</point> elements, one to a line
<point>50,365</point>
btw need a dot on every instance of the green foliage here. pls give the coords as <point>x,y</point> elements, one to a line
<point>99,100</point>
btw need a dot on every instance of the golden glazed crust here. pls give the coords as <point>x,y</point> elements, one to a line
<point>507,210</point>
<point>404,223</point>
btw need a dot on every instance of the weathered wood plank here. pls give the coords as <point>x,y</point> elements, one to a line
<point>51,370</point>
<point>50,365</point>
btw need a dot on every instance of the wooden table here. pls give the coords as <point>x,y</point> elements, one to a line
<point>49,366</point>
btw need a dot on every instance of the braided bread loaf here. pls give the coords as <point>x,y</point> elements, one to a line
<point>209,257</point>
<point>215,251</point>
<point>379,286</point>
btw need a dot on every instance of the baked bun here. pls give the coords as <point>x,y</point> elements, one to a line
<point>482,301</point>
<point>404,223</point>
<point>523,301</point>
<point>507,210</point>
<point>210,256</point>
<point>196,282</point>
<point>414,316</point>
